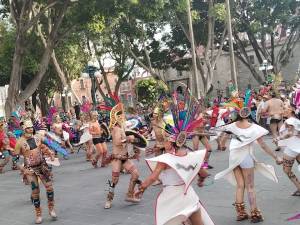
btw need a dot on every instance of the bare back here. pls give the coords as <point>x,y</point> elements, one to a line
<point>274,107</point>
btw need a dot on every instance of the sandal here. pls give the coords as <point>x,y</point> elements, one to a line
<point>296,193</point>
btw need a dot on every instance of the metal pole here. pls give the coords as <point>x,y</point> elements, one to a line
<point>232,61</point>
<point>93,79</point>
<point>196,89</point>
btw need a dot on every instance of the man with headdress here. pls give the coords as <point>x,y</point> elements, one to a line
<point>30,146</point>
<point>157,124</point>
<point>120,156</point>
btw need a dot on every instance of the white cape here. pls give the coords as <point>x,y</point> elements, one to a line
<point>241,149</point>
<point>175,204</point>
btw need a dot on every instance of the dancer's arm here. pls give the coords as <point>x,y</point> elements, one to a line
<point>151,179</point>
<point>269,151</point>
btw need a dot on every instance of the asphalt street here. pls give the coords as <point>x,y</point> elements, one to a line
<point>80,193</point>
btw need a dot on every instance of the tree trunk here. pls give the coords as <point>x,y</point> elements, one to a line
<point>44,103</point>
<point>14,84</point>
<point>34,100</point>
<point>15,97</point>
<point>117,87</point>
<point>34,84</point>
<point>100,89</point>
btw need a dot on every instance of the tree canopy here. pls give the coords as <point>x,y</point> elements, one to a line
<point>43,39</point>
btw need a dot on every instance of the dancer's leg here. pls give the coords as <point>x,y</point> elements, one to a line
<point>196,218</point>
<point>116,168</point>
<point>288,163</point>
<point>256,215</point>
<point>239,195</point>
<point>35,196</point>
<point>131,168</point>
<point>50,196</point>
<point>104,154</point>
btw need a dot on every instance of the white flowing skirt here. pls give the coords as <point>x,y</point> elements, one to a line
<point>85,137</point>
<point>66,136</point>
<point>173,207</point>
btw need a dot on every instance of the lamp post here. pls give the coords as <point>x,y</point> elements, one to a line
<point>265,66</point>
<point>92,71</point>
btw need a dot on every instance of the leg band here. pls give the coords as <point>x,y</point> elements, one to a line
<point>50,196</point>
<point>288,163</point>
<point>36,202</point>
<point>291,175</point>
<point>115,174</point>
<point>34,186</point>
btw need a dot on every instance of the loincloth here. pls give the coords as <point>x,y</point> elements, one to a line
<point>42,171</point>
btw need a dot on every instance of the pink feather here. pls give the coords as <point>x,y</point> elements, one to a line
<point>297,217</point>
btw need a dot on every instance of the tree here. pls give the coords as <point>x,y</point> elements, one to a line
<point>26,15</point>
<point>104,39</point>
<point>30,68</point>
<point>171,50</point>
<point>148,91</point>
<point>266,25</point>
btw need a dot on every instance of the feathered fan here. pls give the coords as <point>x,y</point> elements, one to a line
<point>184,110</point>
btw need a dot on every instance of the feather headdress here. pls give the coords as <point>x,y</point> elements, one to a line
<point>109,102</point>
<point>242,105</point>
<point>183,119</point>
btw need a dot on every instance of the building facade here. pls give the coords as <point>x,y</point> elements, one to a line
<point>222,72</point>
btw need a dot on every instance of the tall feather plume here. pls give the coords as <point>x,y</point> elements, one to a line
<point>248,98</point>
<point>192,106</point>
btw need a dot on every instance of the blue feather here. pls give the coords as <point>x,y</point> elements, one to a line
<point>55,146</point>
<point>247,97</point>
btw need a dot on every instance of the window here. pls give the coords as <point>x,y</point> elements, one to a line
<point>123,98</point>
<point>179,73</point>
<point>125,86</point>
<point>252,59</point>
<point>179,90</point>
<point>81,84</point>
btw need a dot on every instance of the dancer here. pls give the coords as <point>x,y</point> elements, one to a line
<point>35,167</point>
<point>290,139</point>
<point>120,157</point>
<point>86,137</point>
<point>216,114</point>
<point>57,128</point>
<point>156,124</point>
<point>98,140</point>
<point>178,202</point>
<point>197,138</point>
<point>275,108</point>
<point>242,161</point>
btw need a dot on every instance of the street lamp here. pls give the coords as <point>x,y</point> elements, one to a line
<point>92,71</point>
<point>265,66</point>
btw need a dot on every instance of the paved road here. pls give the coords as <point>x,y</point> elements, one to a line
<point>80,196</point>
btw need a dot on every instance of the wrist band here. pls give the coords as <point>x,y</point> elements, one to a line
<point>142,189</point>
